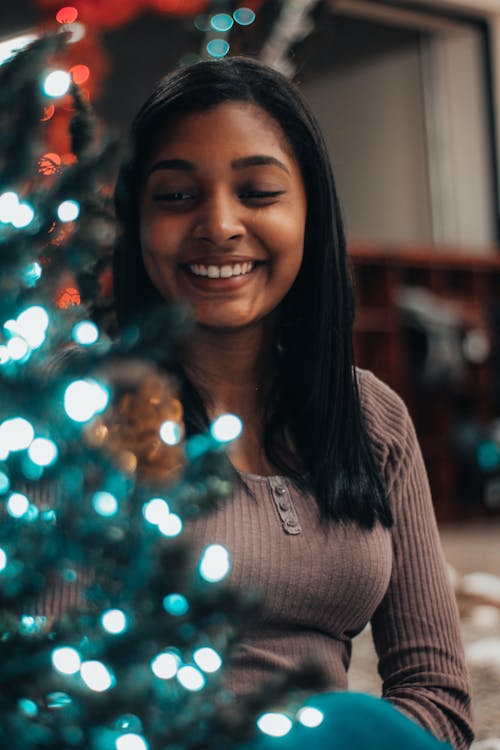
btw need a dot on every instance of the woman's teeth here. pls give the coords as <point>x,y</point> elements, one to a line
<point>222,272</point>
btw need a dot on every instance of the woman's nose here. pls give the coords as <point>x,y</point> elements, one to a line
<point>219,220</point>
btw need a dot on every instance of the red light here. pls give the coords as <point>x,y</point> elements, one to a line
<point>48,163</point>
<point>68,14</point>
<point>48,112</point>
<point>79,73</point>
<point>69,296</point>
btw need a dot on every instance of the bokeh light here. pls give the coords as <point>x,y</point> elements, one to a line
<point>96,676</point>
<point>131,741</point>
<point>27,707</point>
<point>222,22</point>
<point>155,510</point>
<point>114,621</point>
<point>22,216</point>
<point>68,210</point>
<point>207,659</point>
<point>32,273</point>
<point>214,563</point>
<point>17,349</point>
<point>16,434</point>
<point>57,83</point>
<point>166,665</point>
<point>105,504</point>
<point>3,559</point>
<point>9,202</point>
<point>274,724</point>
<point>83,399</point>
<point>171,432</point>
<point>66,660</point>
<point>80,74</point>
<point>218,48</point>
<point>310,717</point>
<point>17,505</point>
<point>32,325</point>
<point>244,16</point>
<point>68,14</point>
<point>191,678</point>
<point>4,483</point>
<point>176,604</point>
<point>226,427</point>
<point>171,525</point>
<point>85,333</point>
<point>43,452</point>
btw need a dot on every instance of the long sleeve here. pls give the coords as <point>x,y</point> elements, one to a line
<point>416,628</point>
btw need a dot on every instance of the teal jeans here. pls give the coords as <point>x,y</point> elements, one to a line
<point>352,721</point>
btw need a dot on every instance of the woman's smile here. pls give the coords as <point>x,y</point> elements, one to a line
<point>223,216</point>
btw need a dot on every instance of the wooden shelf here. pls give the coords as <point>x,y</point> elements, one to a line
<point>468,284</point>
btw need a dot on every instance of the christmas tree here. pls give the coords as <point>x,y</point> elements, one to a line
<point>111,635</point>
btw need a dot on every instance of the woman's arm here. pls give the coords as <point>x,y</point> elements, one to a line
<point>416,628</point>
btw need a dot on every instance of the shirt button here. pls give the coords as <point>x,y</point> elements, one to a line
<point>291,524</point>
<point>280,490</point>
<point>284,505</point>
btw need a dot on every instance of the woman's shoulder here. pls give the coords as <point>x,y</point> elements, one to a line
<point>386,418</point>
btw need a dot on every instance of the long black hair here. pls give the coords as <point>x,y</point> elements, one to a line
<point>315,397</point>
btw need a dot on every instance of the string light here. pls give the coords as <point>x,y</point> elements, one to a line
<point>244,16</point>
<point>32,325</point>
<point>66,660</point>
<point>3,559</point>
<point>226,428</point>
<point>57,83</point>
<point>68,14</point>
<point>166,665</point>
<point>274,724</point>
<point>310,717</point>
<point>68,210</point>
<point>171,432</point>
<point>9,201</point>
<point>207,659</point>
<point>114,621</point>
<point>222,22</point>
<point>17,505</point>
<point>16,433</point>
<point>96,676</point>
<point>171,526</point>
<point>191,678</point>
<point>22,216</point>
<point>83,399</point>
<point>131,741</point>
<point>105,504</point>
<point>32,274</point>
<point>43,452</point>
<point>155,510</point>
<point>80,74</point>
<point>27,707</point>
<point>176,604</point>
<point>218,48</point>
<point>4,483</point>
<point>85,333</point>
<point>17,349</point>
<point>214,563</point>
<point>58,699</point>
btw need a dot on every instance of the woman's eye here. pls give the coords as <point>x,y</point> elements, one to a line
<point>260,195</point>
<point>174,197</point>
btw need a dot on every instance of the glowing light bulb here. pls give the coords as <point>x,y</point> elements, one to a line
<point>9,202</point>
<point>83,399</point>
<point>114,621</point>
<point>165,665</point>
<point>57,83</point>
<point>274,724</point>
<point>131,741</point>
<point>218,48</point>
<point>85,333</point>
<point>68,14</point>
<point>17,348</point>
<point>32,325</point>
<point>310,716</point>
<point>43,452</point>
<point>105,504</point>
<point>66,660</point>
<point>244,16</point>
<point>96,676</point>
<point>226,427</point>
<point>221,22</point>
<point>171,432</point>
<point>16,433</point>
<point>171,525</point>
<point>3,559</point>
<point>17,505</point>
<point>214,563</point>
<point>80,74</point>
<point>68,210</point>
<point>191,678</point>
<point>32,273</point>
<point>4,483</point>
<point>27,707</point>
<point>4,355</point>
<point>207,659</point>
<point>176,604</point>
<point>155,510</point>
<point>22,216</point>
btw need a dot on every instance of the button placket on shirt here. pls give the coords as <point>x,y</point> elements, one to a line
<point>284,506</point>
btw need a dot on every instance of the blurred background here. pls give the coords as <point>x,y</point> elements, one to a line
<point>408,96</point>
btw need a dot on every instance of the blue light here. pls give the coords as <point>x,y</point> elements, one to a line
<point>66,660</point>
<point>9,203</point>
<point>16,434</point>
<point>222,22</point>
<point>85,332</point>
<point>244,16</point>
<point>217,48</point>
<point>58,699</point>
<point>17,505</point>
<point>96,676</point>
<point>32,274</point>
<point>131,741</point>
<point>310,717</point>
<point>105,504</point>
<point>214,563</point>
<point>4,483</point>
<point>191,678</point>
<point>22,216</point>
<point>3,559</point>
<point>27,707</point>
<point>226,428</point>
<point>155,510</point>
<point>171,432</point>
<point>166,665</point>
<point>32,325</point>
<point>488,455</point>
<point>68,211</point>
<point>83,399</point>
<point>207,659</point>
<point>274,724</point>
<point>176,604</point>
<point>114,621</point>
<point>43,452</point>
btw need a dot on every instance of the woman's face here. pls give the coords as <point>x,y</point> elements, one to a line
<point>222,215</point>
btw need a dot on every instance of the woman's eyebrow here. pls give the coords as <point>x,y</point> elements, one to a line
<point>256,160</point>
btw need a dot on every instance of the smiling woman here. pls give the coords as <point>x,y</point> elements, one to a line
<point>227,205</point>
